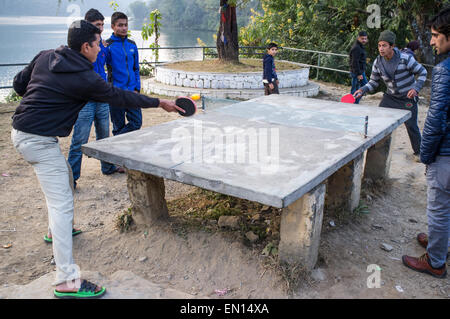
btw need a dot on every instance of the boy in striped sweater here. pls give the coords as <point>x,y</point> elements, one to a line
<point>398,71</point>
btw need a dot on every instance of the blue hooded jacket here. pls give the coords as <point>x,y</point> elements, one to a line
<point>123,63</point>
<point>99,65</point>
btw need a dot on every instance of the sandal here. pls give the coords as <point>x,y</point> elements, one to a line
<point>74,233</point>
<point>86,291</point>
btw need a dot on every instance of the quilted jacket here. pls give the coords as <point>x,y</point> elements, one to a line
<point>436,132</point>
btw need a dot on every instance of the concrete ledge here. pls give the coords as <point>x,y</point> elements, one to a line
<point>243,80</point>
<point>151,86</point>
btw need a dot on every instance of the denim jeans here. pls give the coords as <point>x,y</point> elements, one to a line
<point>118,115</point>
<point>92,112</point>
<point>438,210</point>
<point>357,84</point>
<point>53,173</point>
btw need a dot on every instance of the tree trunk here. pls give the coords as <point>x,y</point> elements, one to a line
<point>422,32</point>
<point>227,37</point>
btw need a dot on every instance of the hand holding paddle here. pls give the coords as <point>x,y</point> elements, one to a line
<point>187,105</point>
<point>359,93</point>
<point>169,106</point>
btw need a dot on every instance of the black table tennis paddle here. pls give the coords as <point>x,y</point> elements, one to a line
<point>186,104</point>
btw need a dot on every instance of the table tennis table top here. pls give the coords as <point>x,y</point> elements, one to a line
<point>272,149</point>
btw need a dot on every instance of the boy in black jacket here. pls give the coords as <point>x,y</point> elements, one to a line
<point>55,86</point>
<point>270,78</point>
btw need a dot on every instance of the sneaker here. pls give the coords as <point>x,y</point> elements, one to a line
<point>422,264</point>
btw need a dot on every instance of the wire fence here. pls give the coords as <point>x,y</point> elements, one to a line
<point>324,65</point>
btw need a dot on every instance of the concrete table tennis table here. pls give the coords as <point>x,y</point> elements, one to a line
<point>282,151</point>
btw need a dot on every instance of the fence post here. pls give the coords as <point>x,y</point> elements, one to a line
<point>318,64</point>
<point>203,53</point>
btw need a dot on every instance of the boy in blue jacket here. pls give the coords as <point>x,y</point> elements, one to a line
<point>92,112</point>
<point>270,78</point>
<point>122,61</point>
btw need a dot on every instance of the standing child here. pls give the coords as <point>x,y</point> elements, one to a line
<point>123,71</point>
<point>270,78</point>
<point>93,112</point>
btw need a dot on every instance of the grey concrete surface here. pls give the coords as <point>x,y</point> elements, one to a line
<point>272,149</point>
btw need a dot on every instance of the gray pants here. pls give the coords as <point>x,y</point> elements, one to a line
<point>438,210</point>
<point>53,173</point>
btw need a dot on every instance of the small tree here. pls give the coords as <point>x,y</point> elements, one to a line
<point>153,28</point>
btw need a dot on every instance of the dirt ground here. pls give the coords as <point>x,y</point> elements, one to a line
<point>197,261</point>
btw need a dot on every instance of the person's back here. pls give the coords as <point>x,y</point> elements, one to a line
<point>55,94</point>
<point>411,47</point>
<point>55,87</point>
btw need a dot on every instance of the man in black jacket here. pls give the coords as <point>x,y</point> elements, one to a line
<point>435,153</point>
<point>358,63</point>
<point>55,86</point>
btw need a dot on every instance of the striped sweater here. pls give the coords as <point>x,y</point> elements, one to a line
<point>403,79</point>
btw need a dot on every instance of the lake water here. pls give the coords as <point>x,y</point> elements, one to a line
<point>22,38</point>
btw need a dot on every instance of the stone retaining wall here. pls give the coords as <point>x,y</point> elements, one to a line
<point>247,80</point>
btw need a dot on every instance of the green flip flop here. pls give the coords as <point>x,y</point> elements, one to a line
<point>86,291</point>
<point>74,233</point>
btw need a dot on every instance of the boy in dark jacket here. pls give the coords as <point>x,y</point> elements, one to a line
<point>270,78</point>
<point>55,86</point>
<point>358,63</point>
<point>123,71</point>
<point>435,153</point>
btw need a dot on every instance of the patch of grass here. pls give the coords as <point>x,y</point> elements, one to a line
<point>216,66</point>
<point>362,209</point>
<point>124,221</point>
<point>201,210</point>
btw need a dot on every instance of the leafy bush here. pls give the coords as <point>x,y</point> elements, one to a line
<point>13,97</point>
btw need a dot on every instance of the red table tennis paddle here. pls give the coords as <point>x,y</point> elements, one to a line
<point>186,104</point>
<point>348,98</point>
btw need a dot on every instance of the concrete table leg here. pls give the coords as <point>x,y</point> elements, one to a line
<point>301,224</point>
<point>344,186</point>
<point>147,194</point>
<point>378,159</point>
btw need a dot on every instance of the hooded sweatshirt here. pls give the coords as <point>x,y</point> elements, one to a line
<point>270,72</point>
<point>56,85</point>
